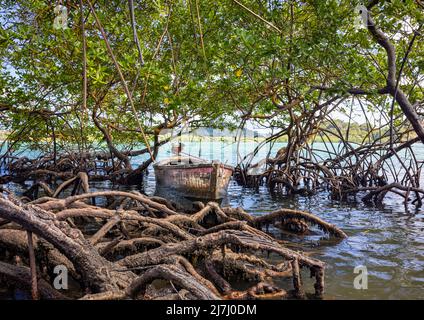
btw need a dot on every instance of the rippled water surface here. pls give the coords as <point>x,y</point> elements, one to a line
<point>388,240</point>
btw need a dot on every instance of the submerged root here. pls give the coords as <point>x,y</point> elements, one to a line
<point>288,216</point>
<point>134,241</point>
<point>261,291</point>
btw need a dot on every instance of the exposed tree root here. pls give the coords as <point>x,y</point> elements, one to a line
<point>135,240</point>
<point>177,276</point>
<point>284,214</point>
<point>369,170</point>
<point>261,290</point>
<point>21,276</point>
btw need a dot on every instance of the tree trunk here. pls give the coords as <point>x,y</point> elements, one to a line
<point>96,271</point>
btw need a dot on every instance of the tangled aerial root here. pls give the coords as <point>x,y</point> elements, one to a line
<point>119,250</point>
<point>345,171</point>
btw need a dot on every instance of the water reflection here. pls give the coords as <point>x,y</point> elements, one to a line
<point>389,241</point>
<point>187,203</point>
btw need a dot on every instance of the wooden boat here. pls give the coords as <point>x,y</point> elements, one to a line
<point>193,177</point>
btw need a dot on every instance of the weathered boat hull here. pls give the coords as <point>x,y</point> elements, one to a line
<point>202,180</point>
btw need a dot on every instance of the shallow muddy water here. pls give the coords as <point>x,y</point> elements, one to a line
<point>388,240</point>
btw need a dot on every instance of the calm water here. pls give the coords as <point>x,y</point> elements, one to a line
<point>387,240</point>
